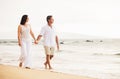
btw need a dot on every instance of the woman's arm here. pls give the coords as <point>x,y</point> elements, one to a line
<point>32,34</point>
<point>38,39</point>
<point>19,35</point>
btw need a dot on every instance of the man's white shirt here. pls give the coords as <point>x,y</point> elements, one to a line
<point>49,36</point>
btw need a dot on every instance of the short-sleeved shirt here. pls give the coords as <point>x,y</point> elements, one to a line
<point>49,35</point>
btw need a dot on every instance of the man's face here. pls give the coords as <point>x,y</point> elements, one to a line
<point>51,20</point>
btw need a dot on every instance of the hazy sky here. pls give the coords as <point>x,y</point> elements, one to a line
<point>88,17</point>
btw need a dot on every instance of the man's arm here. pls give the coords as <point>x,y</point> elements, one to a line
<point>38,39</point>
<point>57,42</point>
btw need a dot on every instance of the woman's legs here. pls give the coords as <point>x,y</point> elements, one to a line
<point>20,64</point>
<point>28,55</point>
<point>25,57</point>
<point>22,56</point>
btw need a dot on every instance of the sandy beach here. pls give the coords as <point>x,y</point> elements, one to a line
<point>94,59</point>
<point>12,72</point>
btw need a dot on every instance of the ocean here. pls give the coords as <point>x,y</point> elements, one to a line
<point>97,58</point>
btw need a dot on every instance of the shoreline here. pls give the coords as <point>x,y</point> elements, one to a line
<point>13,72</point>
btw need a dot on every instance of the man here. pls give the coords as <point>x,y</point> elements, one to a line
<point>50,40</point>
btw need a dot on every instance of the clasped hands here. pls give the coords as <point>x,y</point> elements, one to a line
<point>36,42</point>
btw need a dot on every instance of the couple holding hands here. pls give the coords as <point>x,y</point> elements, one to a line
<point>25,42</point>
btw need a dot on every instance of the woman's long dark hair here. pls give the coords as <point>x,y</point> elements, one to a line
<point>23,19</point>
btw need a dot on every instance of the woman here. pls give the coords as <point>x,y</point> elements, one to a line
<point>25,42</point>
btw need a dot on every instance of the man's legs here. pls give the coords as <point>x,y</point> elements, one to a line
<point>48,61</point>
<point>49,56</point>
<point>52,52</point>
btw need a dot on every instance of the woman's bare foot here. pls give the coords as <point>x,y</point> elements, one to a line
<point>20,64</point>
<point>45,65</point>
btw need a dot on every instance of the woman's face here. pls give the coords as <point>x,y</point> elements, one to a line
<point>27,19</point>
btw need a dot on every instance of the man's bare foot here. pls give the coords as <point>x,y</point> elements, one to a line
<point>20,64</point>
<point>45,65</point>
<point>27,67</point>
<point>50,68</point>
